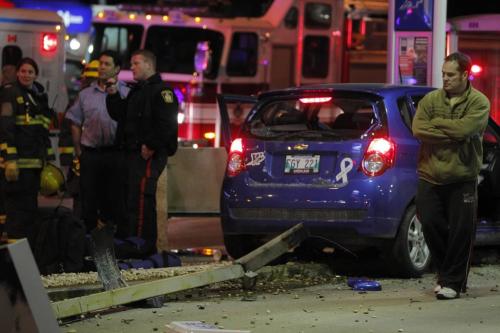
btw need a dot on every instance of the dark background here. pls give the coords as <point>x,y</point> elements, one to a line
<point>455,7</point>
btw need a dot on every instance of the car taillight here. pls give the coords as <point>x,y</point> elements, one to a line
<point>378,157</point>
<point>315,100</point>
<point>49,42</point>
<point>236,159</point>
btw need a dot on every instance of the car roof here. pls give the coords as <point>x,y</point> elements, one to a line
<point>371,88</point>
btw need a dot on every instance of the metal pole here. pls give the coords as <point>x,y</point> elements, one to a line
<point>438,42</point>
<point>391,44</point>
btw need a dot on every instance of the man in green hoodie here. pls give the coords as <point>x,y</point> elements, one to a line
<point>450,123</point>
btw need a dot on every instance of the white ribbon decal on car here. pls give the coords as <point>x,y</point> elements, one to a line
<point>345,166</point>
<point>257,158</point>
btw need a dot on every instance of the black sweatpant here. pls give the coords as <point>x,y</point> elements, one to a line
<point>448,217</point>
<point>141,198</point>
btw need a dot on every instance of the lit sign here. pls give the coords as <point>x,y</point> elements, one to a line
<point>77,17</point>
<point>414,15</point>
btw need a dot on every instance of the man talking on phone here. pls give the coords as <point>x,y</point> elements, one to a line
<point>102,175</point>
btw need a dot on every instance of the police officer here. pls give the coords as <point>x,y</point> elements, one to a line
<point>25,146</point>
<point>147,130</point>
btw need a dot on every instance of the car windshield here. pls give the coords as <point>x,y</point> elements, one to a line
<point>336,119</point>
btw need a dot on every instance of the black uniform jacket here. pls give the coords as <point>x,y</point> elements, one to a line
<point>147,116</point>
<point>24,134</point>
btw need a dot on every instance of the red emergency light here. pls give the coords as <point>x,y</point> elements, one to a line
<point>476,69</point>
<point>6,4</point>
<point>49,42</point>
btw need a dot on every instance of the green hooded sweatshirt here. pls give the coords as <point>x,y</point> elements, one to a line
<point>451,136</point>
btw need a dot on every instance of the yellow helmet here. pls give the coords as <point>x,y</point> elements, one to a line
<point>91,69</point>
<point>51,180</point>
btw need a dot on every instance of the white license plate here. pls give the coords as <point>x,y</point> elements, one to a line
<point>301,164</point>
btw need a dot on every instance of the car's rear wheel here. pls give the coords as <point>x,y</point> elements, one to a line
<point>410,250</point>
<point>239,245</point>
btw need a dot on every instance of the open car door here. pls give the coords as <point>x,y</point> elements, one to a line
<point>488,230</point>
<point>239,106</point>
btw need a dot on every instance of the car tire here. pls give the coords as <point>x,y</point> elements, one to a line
<point>410,251</point>
<point>239,245</point>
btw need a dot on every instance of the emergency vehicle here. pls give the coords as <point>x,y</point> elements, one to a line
<point>292,42</point>
<point>478,36</point>
<point>37,34</point>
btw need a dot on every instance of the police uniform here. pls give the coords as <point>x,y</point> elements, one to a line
<point>147,116</point>
<point>24,138</point>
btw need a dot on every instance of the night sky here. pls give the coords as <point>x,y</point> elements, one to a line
<point>455,7</point>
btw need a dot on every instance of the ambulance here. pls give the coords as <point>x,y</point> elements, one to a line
<point>202,53</point>
<point>37,34</point>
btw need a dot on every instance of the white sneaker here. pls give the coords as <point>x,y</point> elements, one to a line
<point>447,293</point>
<point>437,288</point>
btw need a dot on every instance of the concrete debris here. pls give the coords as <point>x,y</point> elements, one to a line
<point>91,278</point>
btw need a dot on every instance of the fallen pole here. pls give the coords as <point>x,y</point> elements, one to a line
<point>242,267</point>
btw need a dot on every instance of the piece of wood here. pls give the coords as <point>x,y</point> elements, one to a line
<point>107,299</point>
<point>274,248</point>
<point>245,265</point>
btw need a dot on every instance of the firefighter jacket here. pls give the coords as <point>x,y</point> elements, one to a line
<point>24,125</point>
<point>147,116</point>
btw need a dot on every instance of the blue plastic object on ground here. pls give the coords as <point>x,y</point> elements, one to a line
<point>367,286</point>
<point>354,280</point>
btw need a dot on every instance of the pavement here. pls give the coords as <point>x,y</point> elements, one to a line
<point>407,305</point>
<point>310,299</point>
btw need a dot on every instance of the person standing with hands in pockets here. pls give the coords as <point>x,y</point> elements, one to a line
<point>450,123</point>
<point>147,131</point>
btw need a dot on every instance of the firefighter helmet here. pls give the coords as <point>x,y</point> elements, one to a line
<point>91,69</point>
<point>51,180</point>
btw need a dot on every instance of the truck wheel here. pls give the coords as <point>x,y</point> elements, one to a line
<point>410,251</point>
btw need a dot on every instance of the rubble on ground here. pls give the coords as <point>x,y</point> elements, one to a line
<point>130,275</point>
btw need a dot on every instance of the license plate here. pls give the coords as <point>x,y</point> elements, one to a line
<point>301,164</point>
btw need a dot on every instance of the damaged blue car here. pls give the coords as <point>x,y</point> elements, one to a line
<point>341,159</point>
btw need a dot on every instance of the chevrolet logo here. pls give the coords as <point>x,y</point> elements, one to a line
<point>300,146</point>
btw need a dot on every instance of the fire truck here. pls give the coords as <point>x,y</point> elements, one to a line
<point>37,34</point>
<point>200,53</point>
<point>478,36</point>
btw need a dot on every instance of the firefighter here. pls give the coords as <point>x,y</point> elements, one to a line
<point>25,146</point>
<point>147,130</point>
<point>90,74</point>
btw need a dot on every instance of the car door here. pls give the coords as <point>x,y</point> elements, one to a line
<point>488,231</point>
<point>239,104</point>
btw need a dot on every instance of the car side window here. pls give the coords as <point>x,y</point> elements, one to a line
<point>415,99</point>
<point>406,111</point>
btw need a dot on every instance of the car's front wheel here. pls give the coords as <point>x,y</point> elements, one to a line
<point>410,250</point>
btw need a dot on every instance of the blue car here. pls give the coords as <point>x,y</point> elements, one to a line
<point>341,159</point>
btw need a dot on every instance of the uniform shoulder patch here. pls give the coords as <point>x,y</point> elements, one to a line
<point>168,96</point>
<point>20,100</point>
